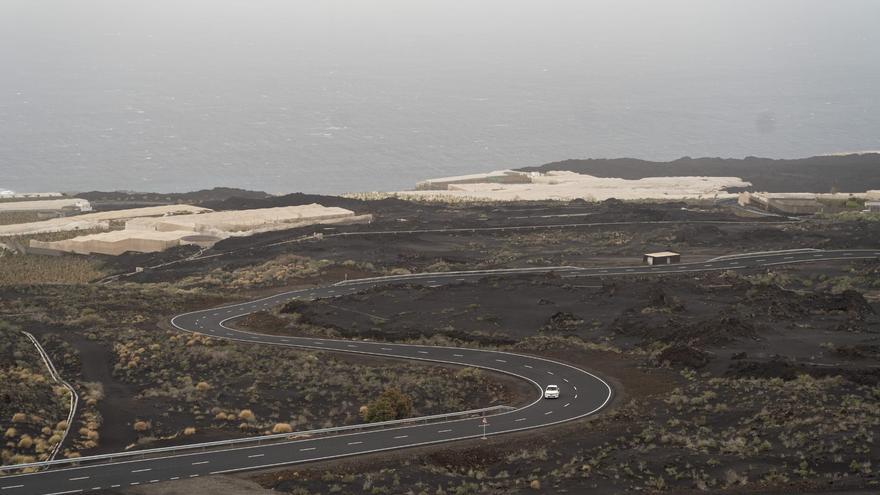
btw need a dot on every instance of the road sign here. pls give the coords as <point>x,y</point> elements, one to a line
<point>484,424</point>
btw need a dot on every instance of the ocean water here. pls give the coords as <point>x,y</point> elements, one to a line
<point>339,96</point>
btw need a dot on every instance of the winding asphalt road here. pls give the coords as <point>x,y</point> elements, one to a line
<point>582,393</point>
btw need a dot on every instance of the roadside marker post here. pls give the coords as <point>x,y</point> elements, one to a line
<point>484,424</point>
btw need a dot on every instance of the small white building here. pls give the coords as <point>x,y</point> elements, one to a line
<point>662,258</point>
<point>872,206</point>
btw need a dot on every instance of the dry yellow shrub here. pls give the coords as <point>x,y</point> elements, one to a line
<point>282,428</point>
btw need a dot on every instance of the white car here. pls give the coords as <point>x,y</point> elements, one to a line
<point>551,392</point>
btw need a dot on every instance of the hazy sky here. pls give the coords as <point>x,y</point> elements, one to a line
<point>113,89</point>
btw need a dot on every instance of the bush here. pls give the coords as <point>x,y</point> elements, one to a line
<point>247,415</point>
<point>141,426</point>
<point>19,418</point>
<point>391,404</point>
<point>26,442</point>
<point>282,428</point>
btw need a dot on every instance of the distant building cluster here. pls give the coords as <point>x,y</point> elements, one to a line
<point>5,194</point>
<point>52,207</point>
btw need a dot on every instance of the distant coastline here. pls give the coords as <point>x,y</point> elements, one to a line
<point>837,172</point>
<point>683,179</point>
<point>818,174</point>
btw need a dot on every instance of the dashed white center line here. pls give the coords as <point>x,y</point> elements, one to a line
<point>193,476</point>
<point>529,366</point>
<point>520,419</point>
<point>308,449</point>
<point>575,396</point>
<point>200,463</point>
<point>174,478</point>
<point>154,481</point>
<point>385,348</point>
<point>422,352</point>
<point>10,487</point>
<point>255,455</point>
<point>355,443</point>
<point>443,431</point>
<point>142,470</point>
<point>549,372</point>
<point>458,355</point>
<point>565,380</point>
<point>78,479</point>
<point>548,412</point>
<point>400,436</point>
<point>567,404</point>
<point>501,360</point>
<point>351,345</point>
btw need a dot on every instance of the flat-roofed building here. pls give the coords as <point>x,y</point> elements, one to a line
<point>872,206</point>
<point>115,243</point>
<point>247,222</point>
<point>662,258</point>
<point>70,204</point>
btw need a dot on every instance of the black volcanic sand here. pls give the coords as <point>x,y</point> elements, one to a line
<point>717,321</point>
<point>430,251</point>
<point>786,379</point>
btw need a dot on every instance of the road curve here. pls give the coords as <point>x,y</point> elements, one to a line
<point>582,393</point>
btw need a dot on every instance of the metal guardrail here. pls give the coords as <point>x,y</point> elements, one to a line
<point>260,440</point>
<point>74,397</point>
<point>764,253</point>
<point>419,276</point>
